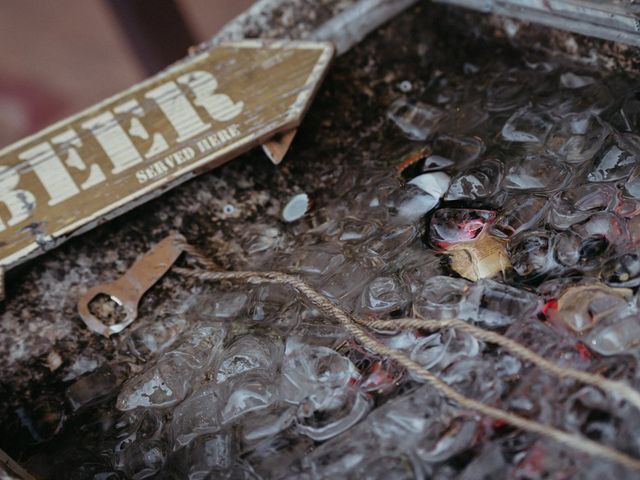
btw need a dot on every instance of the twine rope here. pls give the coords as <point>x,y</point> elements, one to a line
<point>620,389</point>
<point>355,327</point>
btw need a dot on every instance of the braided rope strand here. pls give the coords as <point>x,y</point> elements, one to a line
<point>612,386</point>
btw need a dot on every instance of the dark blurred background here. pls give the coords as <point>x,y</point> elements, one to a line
<point>61,56</point>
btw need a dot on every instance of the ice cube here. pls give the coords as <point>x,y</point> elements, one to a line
<point>439,350</point>
<point>490,463</point>
<point>577,204</point>
<point>169,380</point>
<point>259,238</point>
<point>317,259</point>
<point>446,150</point>
<point>577,138</point>
<point>527,125</point>
<point>534,173</point>
<point>595,98</point>
<point>158,335</point>
<point>435,184</point>
<point>467,118</point>
<point>435,162</point>
<point>572,80</point>
<point>197,415</point>
<point>325,416</point>
<point>566,248</point>
<point>506,91</point>
<point>392,240</point>
<point>618,160</point>
<point>263,425</point>
<point>246,353</point>
<point>619,336</point>
<point>450,442</point>
<point>413,276</point>
<point>347,280</point>
<point>356,230</point>
<point>581,307</point>
<point>441,297</point>
<point>477,182</point>
<point>396,465</point>
<point>531,253</point>
<point>632,185</point>
<point>412,202</point>
<point>163,385</point>
<point>605,226</point>
<point>457,149</point>
<point>622,271</point>
<point>322,383</point>
<point>417,120</point>
<point>519,213</point>
<point>495,305</point>
<point>207,456</point>
<point>314,370</point>
<point>251,392</point>
<point>142,459</point>
<point>93,386</point>
<point>223,305</point>
<point>382,296</point>
<point>269,301</point>
<point>628,117</point>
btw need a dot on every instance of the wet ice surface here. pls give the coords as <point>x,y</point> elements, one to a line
<point>515,209</point>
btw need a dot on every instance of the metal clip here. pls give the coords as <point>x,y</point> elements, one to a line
<point>129,289</point>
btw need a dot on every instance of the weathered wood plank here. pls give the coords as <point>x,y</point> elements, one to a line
<point>192,117</point>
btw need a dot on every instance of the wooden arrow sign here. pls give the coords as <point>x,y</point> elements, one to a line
<point>194,116</point>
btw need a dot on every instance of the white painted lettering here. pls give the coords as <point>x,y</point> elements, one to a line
<point>204,145</point>
<point>203,85</point>
<point>141,176</point>
<point>114,141</point>
<point>18,202</point>
<point>51,172</point>
<point>69,141</point>
<point>136,129</point>
<point>180,113</point>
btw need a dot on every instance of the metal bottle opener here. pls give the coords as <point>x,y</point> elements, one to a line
<point>127,291</point>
